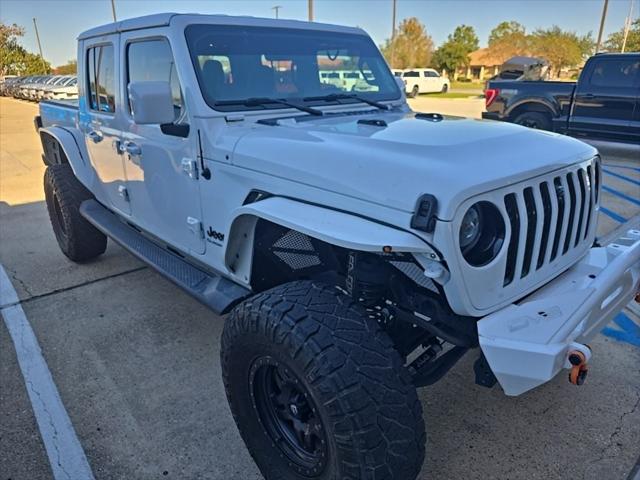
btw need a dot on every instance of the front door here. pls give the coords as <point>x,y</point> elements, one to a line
<point>159,160</point>
<point>605,98</point>
<point>100,120</point>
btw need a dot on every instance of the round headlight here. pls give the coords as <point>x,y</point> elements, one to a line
<point>481,234</point>
<point>470,228</point>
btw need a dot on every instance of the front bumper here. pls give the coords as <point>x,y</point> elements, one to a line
<point>527,344</point>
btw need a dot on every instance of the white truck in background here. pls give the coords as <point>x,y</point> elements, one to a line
<point>361,248</point>
<point>424,80</point>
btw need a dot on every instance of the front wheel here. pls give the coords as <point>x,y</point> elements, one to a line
<point>414,92</point>
<point>317,389</point>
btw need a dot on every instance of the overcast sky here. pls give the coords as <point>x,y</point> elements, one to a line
<point>60,22</point>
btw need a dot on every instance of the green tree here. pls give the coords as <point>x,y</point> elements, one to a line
<point>508,39</point>
<point>14,59</point>
<point>454,53</point>
<point>70,68</point>
<point>506,30</point>
<point>561,48</point>
<point>411,46</point>
<point>615,40</point>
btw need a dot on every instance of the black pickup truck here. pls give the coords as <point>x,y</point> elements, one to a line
<point>604,103</point>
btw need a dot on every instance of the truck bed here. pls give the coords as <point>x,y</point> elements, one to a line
<point>512,93</point>
<point>62,113</point>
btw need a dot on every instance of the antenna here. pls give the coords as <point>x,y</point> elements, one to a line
<point>206,173</point>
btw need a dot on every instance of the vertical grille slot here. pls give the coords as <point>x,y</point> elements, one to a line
<point>560,199</point>
<point>583,201</point>
<point>514,220</point>
<point>530,206</point>
<point>572,212</point>
<point>592,199</point>
<point>597,181</point>
<point>546,207</point>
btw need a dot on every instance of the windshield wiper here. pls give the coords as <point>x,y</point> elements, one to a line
<point>344,96</point>
<point>259,101</point>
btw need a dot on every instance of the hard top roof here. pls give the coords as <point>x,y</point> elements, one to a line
<point>165,19</point>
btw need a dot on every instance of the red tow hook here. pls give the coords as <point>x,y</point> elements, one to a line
<point>579,370</point>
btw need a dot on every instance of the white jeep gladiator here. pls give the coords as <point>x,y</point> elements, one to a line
<point>361,248</point>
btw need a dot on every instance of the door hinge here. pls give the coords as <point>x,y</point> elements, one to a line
<point>190,167</point>
<point>195,227</point>
<point>123,192</point>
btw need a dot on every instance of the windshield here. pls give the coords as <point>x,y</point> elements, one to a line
<point>236,63</point>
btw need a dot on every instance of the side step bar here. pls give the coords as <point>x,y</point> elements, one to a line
<point>216,292</point>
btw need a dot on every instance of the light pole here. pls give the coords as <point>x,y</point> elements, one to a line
<point>310,10</point>
<point>44,66</point>
<point>277,9</point>
<point>627,27</point>
<point>113,10</point>
<point>604,15</point>
<point>393,34</point>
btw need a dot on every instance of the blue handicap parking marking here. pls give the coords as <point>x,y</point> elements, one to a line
<point>613,215</point>
<point>622,195</point>
<point>628,331</point>
<point>621,177</point>
<point>635,169</point>
<point>616,187</point>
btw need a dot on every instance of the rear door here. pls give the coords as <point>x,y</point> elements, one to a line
<point>100,119</point>
<point>605,99</point>
<point>160,164</point>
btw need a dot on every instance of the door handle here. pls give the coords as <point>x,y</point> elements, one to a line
<point>96,137</point>
<point>132,149</point>
<point>588,96</point>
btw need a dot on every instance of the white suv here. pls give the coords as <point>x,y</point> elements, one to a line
<point>424,80</point>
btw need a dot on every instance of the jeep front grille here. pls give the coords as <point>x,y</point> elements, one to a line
<point>549,217</point>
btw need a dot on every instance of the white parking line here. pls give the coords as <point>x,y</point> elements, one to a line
<point>66,456</point>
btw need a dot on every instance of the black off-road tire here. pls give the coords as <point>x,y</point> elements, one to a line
<point>78,239</point>
<point>535,120</point>
<point>350,376</point>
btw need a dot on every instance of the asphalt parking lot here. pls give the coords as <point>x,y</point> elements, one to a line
<point>135,360</point>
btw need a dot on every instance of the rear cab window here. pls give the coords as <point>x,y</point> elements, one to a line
<point>101,78</point>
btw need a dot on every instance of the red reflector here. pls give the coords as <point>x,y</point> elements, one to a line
<point>490,95</point>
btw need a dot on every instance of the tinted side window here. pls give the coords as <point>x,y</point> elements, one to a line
<point>152,61</point>
<point>615,73</point>
<point>101,78</point>
<point>411,74</point>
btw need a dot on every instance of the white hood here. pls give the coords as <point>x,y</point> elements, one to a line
<point>452,159</point>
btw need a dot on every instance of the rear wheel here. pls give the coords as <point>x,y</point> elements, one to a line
<point>77,238</point>
<point>535,120</point>
<point>445,88</point>
<point>317,389</point>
